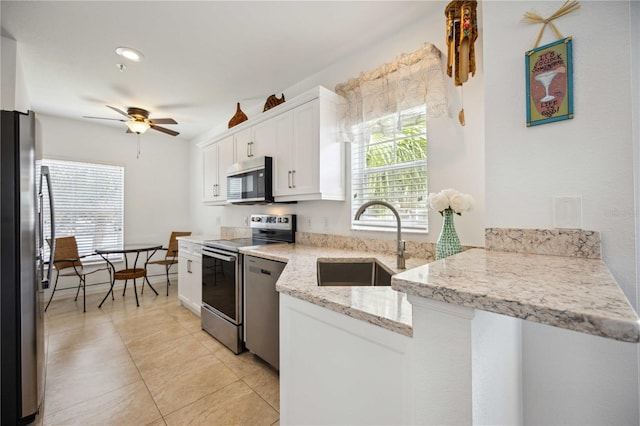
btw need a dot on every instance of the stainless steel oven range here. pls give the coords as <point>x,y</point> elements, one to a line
<point>222,290</point>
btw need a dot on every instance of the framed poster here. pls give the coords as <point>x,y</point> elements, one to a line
<point>549,76</point>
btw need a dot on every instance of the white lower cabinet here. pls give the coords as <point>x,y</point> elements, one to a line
<point>337,370</point>
<point>190,275</point>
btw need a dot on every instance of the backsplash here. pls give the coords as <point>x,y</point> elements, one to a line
<point>228,232</point>
<point>413,249</point>
<point>552,242</point>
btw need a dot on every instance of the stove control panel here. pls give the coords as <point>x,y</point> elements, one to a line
<point>270,221</point>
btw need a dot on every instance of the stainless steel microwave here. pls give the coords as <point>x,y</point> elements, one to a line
<point>250,182</point>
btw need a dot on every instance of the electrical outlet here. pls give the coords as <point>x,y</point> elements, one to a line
<point>218,220</point>
<point>246,221</point>
<point>309,222</point>
<point>567,212</point>
<point>326,222</point>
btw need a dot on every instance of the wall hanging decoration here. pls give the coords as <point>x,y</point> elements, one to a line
<point>238,118</point>
<point>549,83</point>
<point>462,32</point>
<point>272,101</point>
<point>549,72</point>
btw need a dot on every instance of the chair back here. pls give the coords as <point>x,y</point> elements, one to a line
<point>66,248</point>
<point>172,249</point>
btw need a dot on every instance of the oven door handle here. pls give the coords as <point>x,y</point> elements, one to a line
<point>209,252</point>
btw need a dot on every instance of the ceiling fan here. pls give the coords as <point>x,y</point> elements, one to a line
<point>139,122</point>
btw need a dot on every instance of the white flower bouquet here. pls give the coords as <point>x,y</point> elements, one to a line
<point>450,199</point>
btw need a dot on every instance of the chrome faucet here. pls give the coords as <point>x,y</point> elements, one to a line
<point>401,245</point>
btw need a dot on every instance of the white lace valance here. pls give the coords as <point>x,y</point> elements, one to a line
<point>412,79</point>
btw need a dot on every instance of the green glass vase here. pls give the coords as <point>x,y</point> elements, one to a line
<point>448,242</point>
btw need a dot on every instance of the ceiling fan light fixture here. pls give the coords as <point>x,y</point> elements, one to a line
<point>129,53</point>
<point>138,127</point>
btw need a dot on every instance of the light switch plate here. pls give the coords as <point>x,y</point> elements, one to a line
<point>567,212</point>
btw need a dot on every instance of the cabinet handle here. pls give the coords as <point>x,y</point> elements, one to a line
<point>189,266</point>
<point>289,179</point>
<point>251,149</point>
<point>293,178</point>
<point>213,190</point>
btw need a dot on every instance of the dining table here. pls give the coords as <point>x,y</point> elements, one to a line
<point>132,272</point>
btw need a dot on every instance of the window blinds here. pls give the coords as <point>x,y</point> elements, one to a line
<point>89,204</point>
<point>389,163</point>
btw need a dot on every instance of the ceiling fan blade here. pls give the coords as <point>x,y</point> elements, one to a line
<point>119,111</point>
<point>104,118</point>
<point>164,130</point>
<point>163,121</point>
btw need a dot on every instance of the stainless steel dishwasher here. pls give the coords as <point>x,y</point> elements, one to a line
<point>262,308</point>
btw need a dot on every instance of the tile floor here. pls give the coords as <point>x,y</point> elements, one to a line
<point>148,365</point>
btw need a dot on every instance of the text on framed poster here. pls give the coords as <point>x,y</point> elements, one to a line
<point>549,76</point>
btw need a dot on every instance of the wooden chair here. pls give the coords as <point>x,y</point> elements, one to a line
<point>171,258</point>
<point>67,263</point>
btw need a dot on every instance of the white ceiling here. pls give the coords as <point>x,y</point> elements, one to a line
<point>200,57</point>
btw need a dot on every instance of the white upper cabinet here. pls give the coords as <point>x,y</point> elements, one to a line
<point>216,158</point>
<point>256,141</point>
<point>309,161</point>
<point>302,137</point>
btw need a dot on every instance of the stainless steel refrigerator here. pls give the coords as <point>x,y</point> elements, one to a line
<point>23,276</point>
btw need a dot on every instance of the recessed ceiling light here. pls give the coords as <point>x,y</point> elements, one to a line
<point>129,53</point>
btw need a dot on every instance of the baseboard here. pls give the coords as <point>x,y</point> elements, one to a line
<point>193,307</point>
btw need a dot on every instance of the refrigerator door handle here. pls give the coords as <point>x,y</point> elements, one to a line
<point>45,172</point>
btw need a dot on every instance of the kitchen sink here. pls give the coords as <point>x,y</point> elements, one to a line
<point>339,272</point>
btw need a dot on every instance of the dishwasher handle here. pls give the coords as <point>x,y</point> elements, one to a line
<point>261,271</point>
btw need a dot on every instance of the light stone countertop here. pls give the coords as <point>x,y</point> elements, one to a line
<point>199,239</point>
<point>381,306</point>
<point>572,293</point>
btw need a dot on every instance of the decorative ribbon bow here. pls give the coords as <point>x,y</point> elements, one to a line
<point>534,18</point>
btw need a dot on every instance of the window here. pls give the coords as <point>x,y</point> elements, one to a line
<point>389,163</point>
<point>88,204</point>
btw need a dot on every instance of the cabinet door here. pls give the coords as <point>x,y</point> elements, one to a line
<point>210,184</point>
<point>264,139</point>
<point>282,168</point>
<point>225,159</point>
<point>304,154</point>
<point>190,282</point>
<point>243,141</point>
<point>258,141</point>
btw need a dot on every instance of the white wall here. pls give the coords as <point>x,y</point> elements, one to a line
<point>156,202</point>
<point>12,84</point>
<point>456,153</point>
<point>591,155</point>
<point>567,377</point>
<point>635,112</point>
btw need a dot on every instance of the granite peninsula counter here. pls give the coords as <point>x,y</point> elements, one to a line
<point>381,306</point>
<point>448,358</point>
<point>573,293</point>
